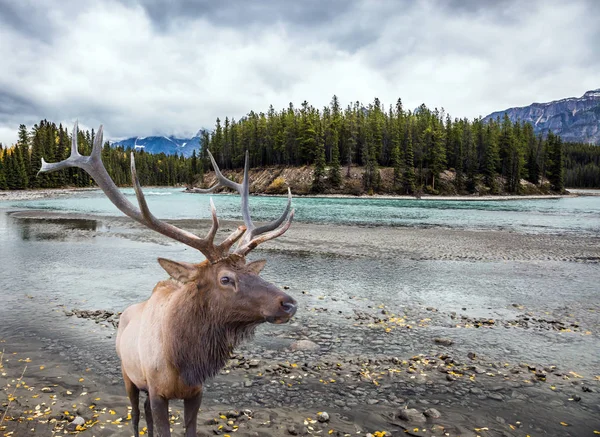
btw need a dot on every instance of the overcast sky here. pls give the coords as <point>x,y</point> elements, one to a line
<point>152,67</point>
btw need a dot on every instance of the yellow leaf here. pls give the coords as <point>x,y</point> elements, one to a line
<point>113,412</point>
<point>42,367</point>
<point>81,379</point>
<point>564,423</point>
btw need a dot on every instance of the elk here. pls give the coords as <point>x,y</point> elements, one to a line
<point>185,332</point>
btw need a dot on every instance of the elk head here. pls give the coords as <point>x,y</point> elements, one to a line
<point>233,290</point>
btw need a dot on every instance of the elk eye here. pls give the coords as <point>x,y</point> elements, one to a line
<point>226,280</point>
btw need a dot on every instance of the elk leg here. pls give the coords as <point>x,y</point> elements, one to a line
<point>148,413</point>
<point>190,414</point>
<point>160,415</point>
<point>134,397</point>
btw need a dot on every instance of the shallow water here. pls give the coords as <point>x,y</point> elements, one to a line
<point>53,264</point>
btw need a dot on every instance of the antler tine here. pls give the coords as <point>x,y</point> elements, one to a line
<point>269,230</point>
<point>222,181</point>
<point>74,159</point>
<point>247,247</point>
<point>275,223</point>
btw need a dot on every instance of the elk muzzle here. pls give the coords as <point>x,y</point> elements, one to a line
<point>287,309</point>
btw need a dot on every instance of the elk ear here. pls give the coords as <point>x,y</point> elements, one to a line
<point>256,266</point>
<point>180,271</point>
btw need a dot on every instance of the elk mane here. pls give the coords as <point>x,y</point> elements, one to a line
<point>202,337</point>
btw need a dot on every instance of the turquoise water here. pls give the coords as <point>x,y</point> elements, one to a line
<point>566,215</point>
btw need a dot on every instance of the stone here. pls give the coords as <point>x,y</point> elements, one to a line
<point>444,341</point>
<point>304,345</point>
<point>291,429</point>
<point>323,417</point>
<point>432,413</point>
<point>78,421</point>
<point>411,415</point>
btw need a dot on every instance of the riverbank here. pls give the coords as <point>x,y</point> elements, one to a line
<point>381,341</point>
<point>46,193</point>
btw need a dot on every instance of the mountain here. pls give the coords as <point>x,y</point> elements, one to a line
<point>161,144</point>
<point>575,119</point>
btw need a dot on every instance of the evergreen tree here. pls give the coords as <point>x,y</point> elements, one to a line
<point>3,184</point>
<point>318,184</point>
<point>409,179</point>
<point>556,165</point>
<point>491,159</point>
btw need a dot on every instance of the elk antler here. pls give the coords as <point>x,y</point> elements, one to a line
<point>93,165</point>
<point>254,235</point>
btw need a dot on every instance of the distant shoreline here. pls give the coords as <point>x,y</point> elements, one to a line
<point>49,193</point>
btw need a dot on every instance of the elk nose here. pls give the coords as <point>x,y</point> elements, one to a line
<point>289,307</point>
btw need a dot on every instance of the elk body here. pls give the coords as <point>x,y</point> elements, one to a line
<point>185,332</point>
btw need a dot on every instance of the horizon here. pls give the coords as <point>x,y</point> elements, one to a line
<point>470,59</point>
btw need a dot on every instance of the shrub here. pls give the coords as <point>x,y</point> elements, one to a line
<point>278,186</point>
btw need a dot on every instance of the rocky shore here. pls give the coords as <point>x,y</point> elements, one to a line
<point>312,387</point>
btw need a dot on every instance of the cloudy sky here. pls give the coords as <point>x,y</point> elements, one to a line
<point>144,67</point>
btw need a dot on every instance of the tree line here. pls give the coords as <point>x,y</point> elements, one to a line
<point>19,165</point>
<point>582,163</point>
<point>419,145</point>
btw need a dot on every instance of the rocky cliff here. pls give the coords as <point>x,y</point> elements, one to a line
<point>575,119</point>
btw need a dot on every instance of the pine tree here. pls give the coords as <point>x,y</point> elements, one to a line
<point>491,160</point>
<point>318,185</point>
<point>335,176</point>
<point>3,184</point>
<point>409,179</point>
<point>437,152</point>
<point>556,165</point>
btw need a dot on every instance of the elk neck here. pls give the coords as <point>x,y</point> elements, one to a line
<point>200,335</point>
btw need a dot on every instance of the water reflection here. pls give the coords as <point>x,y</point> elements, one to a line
<point>38,229</point>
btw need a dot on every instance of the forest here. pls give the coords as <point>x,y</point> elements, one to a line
<point>419,145</point>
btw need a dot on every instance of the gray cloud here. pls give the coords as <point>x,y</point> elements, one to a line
<point>242,13</point>
<point>171,67</point>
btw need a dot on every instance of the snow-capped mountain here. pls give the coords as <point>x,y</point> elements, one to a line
<point>162,144</point>
<point>575,119</point>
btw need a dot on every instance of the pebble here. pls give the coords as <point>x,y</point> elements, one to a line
<point>411,415</point>
<point>304,345</point>
<point>444,341</point>
<point>433,413</point>
<point>78,421</point>
<point>323,417</point>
